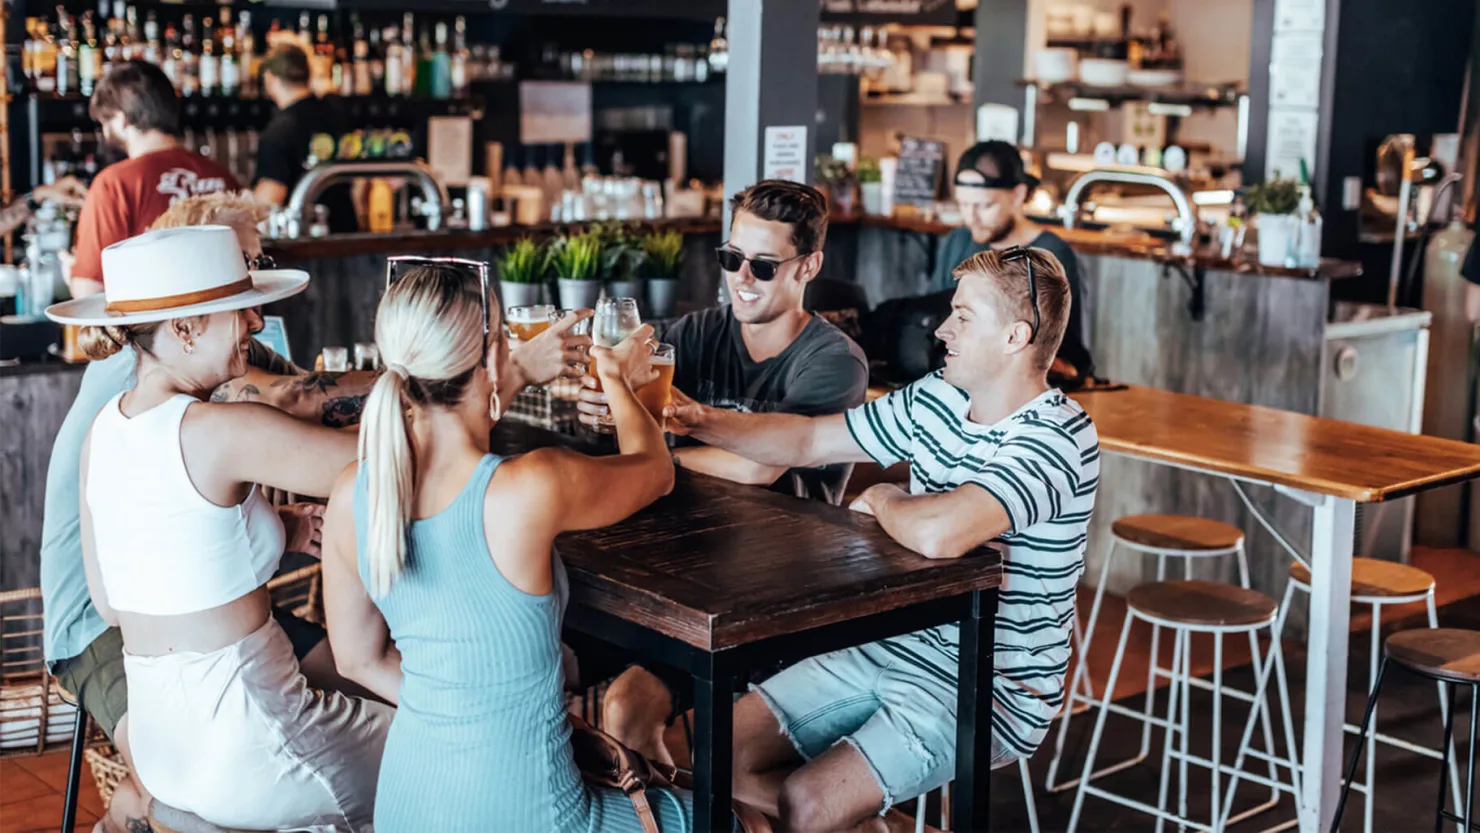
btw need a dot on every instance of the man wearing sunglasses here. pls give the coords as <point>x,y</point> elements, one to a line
<point>997,456</point>
<point>761,353</point>
<point>992,188</point>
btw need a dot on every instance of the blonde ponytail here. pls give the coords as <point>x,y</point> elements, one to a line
<point>385,453</point>
<point>429,329</point>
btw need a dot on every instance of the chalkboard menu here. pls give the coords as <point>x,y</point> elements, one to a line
<point>920,164</point>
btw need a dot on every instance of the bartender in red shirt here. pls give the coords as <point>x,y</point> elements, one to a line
<point>140,113</point>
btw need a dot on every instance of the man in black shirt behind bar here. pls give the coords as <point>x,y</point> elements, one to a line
<point>286,147</point>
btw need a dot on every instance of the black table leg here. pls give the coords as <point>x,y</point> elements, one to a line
<point>971,795</point>
<point>714,713</point>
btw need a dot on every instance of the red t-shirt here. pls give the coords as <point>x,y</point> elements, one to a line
<point>126,197</point>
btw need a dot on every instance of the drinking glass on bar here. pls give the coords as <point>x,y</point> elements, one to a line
<point>615,319</point>
<point>582,328</point>
<point>335,359</point>
<point>367,356</point>
<point>655,394</point>
<point>526,322</point>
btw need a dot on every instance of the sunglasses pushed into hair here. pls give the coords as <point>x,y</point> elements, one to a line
<point>763,269</point>
<point>1013,255</point>
<point>395,264</point>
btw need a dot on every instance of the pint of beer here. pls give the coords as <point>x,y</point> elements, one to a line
<point>615,319</point>
<point>656,394</point>
<point>525,323</point>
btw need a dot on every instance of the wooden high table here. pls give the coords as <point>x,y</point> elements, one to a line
<point>722,580</point>
<point>1327,464</point>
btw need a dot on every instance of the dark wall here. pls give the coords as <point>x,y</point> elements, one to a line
<point>1399,68</point>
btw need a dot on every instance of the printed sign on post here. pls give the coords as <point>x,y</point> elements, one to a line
<point>786,154</point>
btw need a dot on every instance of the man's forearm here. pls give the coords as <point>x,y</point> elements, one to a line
<point>768,439</point>
<point>716,462</point>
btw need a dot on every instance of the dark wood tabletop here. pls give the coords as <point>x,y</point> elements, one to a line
<point>1325,456</point>
<point>718,565</point>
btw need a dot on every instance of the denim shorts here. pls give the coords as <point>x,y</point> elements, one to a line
<point>893,700</point>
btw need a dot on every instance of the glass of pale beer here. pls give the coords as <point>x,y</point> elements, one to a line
<point>615,319</point>
<point>526,322</point>
<point>656,394</point>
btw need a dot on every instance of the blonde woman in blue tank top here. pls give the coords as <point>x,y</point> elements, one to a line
<point>441,587</point>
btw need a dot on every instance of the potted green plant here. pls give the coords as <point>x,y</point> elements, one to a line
<point>576,259</point>
<point>622,259</point>
<point>663,252</point>
<point>871,185</point>
<point>521,273</point>
<point>836,181</point>
<point>1275,203</point>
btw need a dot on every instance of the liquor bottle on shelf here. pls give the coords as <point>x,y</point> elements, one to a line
<point>43,47</point>
<point>322,75</point>
<point>459,65</point>
<point>305,32</point>
<point>210,66</point>
<point>719,48</point>
<point>395,65</point>
<point>118,33</point>
<point>248,61</point>
<point>136,43</point>
<point>440,84</point>
<point>409,80</point>
<point>153,50</point>
<point>421,82</point>
<point>360,68</point>
<point>189,59</point>
<point>89,57</point>
<point>174,57</point>
<point>68,74</point>
<point>231,59</point>
<point>377,63</point>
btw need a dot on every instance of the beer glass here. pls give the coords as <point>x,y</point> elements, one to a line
<point>615,319</point>
<point>526,322</point>
<point>656,394</point>
<point>582,328</point>
<point>335,359</point>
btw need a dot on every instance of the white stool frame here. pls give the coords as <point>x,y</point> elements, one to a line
<point>945,803</point>
<point>1374,664</point>
<point>1081,690</point>
<point>1181,691</point>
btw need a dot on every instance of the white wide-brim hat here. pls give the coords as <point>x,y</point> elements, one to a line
<point>176,273</point>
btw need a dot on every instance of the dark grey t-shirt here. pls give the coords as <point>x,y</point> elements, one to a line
<point>821,372</point>
<point>957,246</point>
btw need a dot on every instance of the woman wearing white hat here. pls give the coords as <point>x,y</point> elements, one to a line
<point>179,544</point>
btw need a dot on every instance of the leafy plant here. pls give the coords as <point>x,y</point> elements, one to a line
<point>832,170</point>
<point>664,253</point>
<point>524,262</point>
<point>1277,196</point>
<point>577,257</point>
<point>868,170</point>
<point>622,254</point>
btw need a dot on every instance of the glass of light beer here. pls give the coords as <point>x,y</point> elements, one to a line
<point>526,322</point>
<point>615,319</point>
<point>656,394</point>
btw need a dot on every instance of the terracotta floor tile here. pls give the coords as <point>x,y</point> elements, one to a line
<point>51,769</point>
<point>40,815</point>
<point>17,785</point>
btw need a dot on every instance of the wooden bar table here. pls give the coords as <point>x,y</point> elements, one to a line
<point>720,580</point>
<point>1327,464</point>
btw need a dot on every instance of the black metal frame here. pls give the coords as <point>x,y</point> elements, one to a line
<point>719,674</point>
<point>1443,814</point>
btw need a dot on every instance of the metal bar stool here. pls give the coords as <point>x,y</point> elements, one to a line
<point>1449,657</point>
<point>945,803</point>
<point>1377,584</point>
<point>1188,607</point>
<point>1164,536</point>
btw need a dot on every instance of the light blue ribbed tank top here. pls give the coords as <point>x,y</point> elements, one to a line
<point>480,741</point>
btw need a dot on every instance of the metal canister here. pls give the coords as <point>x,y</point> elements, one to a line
<point>477,205</point>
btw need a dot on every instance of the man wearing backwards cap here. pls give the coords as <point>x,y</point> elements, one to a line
<point>992,188</point>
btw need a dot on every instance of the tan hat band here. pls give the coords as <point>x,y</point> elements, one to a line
<point>182,300</point>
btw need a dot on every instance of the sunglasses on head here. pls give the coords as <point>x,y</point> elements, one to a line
<point>1012,255</point>
<point>260,262</point>
<point>762,269</point>
<point>396,266</point>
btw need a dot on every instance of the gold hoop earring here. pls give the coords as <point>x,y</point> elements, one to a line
<point>495,406</point>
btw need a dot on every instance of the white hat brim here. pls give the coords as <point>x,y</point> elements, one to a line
<point>268,285</point>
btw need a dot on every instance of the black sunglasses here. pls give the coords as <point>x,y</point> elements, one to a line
<point>396,263</point>
<point>1012,255</point>
<point>260,262</point>
<point>762,268</point>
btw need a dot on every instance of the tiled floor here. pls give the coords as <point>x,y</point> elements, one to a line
<point>31,788</point>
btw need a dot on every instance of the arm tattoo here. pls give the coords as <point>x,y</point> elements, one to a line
<point>222,393</point>
<point>248,393</point>
<point>138,826</point>
<point>320,382</point>
<point>343,411</point>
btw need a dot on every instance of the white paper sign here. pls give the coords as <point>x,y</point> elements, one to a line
<point>1292,137</point>
<point>996,121</point>
<point>450,148</point>
<point>1295,70</point>
<point>1299,15</point>
<point>786,154</point>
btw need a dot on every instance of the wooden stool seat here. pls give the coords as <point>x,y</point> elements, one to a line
<point>1205,603</point>
<point>1182,533</point>
<point>1447,653</point>
<point>1375,579</point>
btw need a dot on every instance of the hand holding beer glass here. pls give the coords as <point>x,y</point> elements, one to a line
<point>526,322</point>
<point>616,317</point>
<point>549,343</point>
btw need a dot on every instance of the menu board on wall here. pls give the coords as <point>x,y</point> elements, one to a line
<point>920,164</point>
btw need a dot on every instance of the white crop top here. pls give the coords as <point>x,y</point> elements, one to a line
<point>162,548</point>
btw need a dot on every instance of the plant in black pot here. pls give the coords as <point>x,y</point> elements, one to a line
<point>576,259</point>
<point>522,270</point>
<point>622,259</point>
<point>663,258</point>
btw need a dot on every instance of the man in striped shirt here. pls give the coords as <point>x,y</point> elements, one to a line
<point>996,456</point>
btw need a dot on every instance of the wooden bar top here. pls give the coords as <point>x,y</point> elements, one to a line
<point>1325,456</point>
<point>717,564</point>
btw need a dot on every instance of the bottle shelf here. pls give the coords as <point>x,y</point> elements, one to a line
<point>55,112</point>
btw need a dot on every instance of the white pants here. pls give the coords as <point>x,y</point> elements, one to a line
<point>237,737</point>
